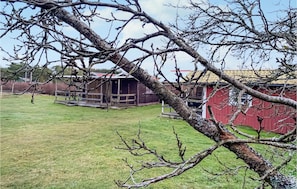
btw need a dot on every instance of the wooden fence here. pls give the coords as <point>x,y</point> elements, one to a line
<point>168,111</point>
<point>93,99</point>
<point>123,99</point>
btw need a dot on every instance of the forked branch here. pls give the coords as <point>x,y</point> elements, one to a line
<point>139,148</point>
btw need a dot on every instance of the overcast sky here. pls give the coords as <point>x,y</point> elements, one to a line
<point>159,10</point>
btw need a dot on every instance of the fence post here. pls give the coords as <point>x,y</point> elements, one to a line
<point>12,87</point>
<point>56,89</point>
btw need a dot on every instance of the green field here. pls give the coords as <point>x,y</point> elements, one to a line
<point>47,145</point>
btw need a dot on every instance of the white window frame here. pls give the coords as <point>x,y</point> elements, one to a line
<point>246,99</point>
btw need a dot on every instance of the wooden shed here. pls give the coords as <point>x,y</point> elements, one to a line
<point>106,90</point>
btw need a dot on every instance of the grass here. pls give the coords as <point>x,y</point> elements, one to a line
<point>47,145</point>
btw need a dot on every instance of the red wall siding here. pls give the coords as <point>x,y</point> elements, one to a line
<point>276,118</point>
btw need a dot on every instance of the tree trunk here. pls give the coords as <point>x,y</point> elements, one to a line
<point>254,160</point>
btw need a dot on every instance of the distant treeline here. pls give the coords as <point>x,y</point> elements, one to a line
<point>25,72</point>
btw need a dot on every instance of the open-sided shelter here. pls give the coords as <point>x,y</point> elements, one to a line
<point>105,90</point>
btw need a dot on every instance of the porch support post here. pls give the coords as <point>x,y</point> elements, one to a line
<point>119,90</point>
<point>204,93</point>
<point>101,91</point>
<point>137,94</point>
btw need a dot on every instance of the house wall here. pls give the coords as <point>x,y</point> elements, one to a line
<point>276,118</point>
<point>146,95</point>
<point>128,86</point>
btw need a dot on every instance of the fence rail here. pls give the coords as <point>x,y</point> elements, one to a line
<point>128,99</point>
<point>168,111</point>
<point>84,98</point>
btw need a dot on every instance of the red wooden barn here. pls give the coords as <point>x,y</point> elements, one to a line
<point>224,99</point>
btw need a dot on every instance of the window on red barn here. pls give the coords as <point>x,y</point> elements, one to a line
<point>246,99</point>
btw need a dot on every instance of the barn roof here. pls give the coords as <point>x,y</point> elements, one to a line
<point>271,77</point>
<point>97,75</point>
<point>110,76</point>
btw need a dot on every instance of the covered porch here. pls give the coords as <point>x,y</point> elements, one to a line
<point>101,92</point>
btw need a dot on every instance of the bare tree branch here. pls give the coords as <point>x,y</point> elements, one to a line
<point>223,28</point>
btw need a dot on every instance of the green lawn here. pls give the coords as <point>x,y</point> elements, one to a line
<point>47,145</point>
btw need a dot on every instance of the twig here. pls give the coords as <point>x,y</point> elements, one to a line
<point>213,119</point>
<point>181,150</point>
